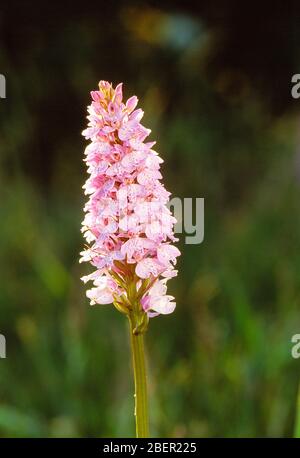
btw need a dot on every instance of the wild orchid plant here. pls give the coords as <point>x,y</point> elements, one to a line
<point>127,225</point>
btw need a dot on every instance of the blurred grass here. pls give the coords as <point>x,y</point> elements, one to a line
<point>221,364</point>
<point>297,422</point>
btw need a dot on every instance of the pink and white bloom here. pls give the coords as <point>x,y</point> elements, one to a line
<point>127,224</point>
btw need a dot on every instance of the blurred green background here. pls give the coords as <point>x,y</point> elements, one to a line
<point>214,81</point>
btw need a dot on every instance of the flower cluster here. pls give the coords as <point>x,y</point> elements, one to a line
<point>127,225</point>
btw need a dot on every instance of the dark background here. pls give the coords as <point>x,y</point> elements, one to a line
<point>214,80</point>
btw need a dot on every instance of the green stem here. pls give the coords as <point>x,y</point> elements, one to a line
<point>140,381</point>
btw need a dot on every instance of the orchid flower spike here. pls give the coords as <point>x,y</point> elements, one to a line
<point>128,226</point>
